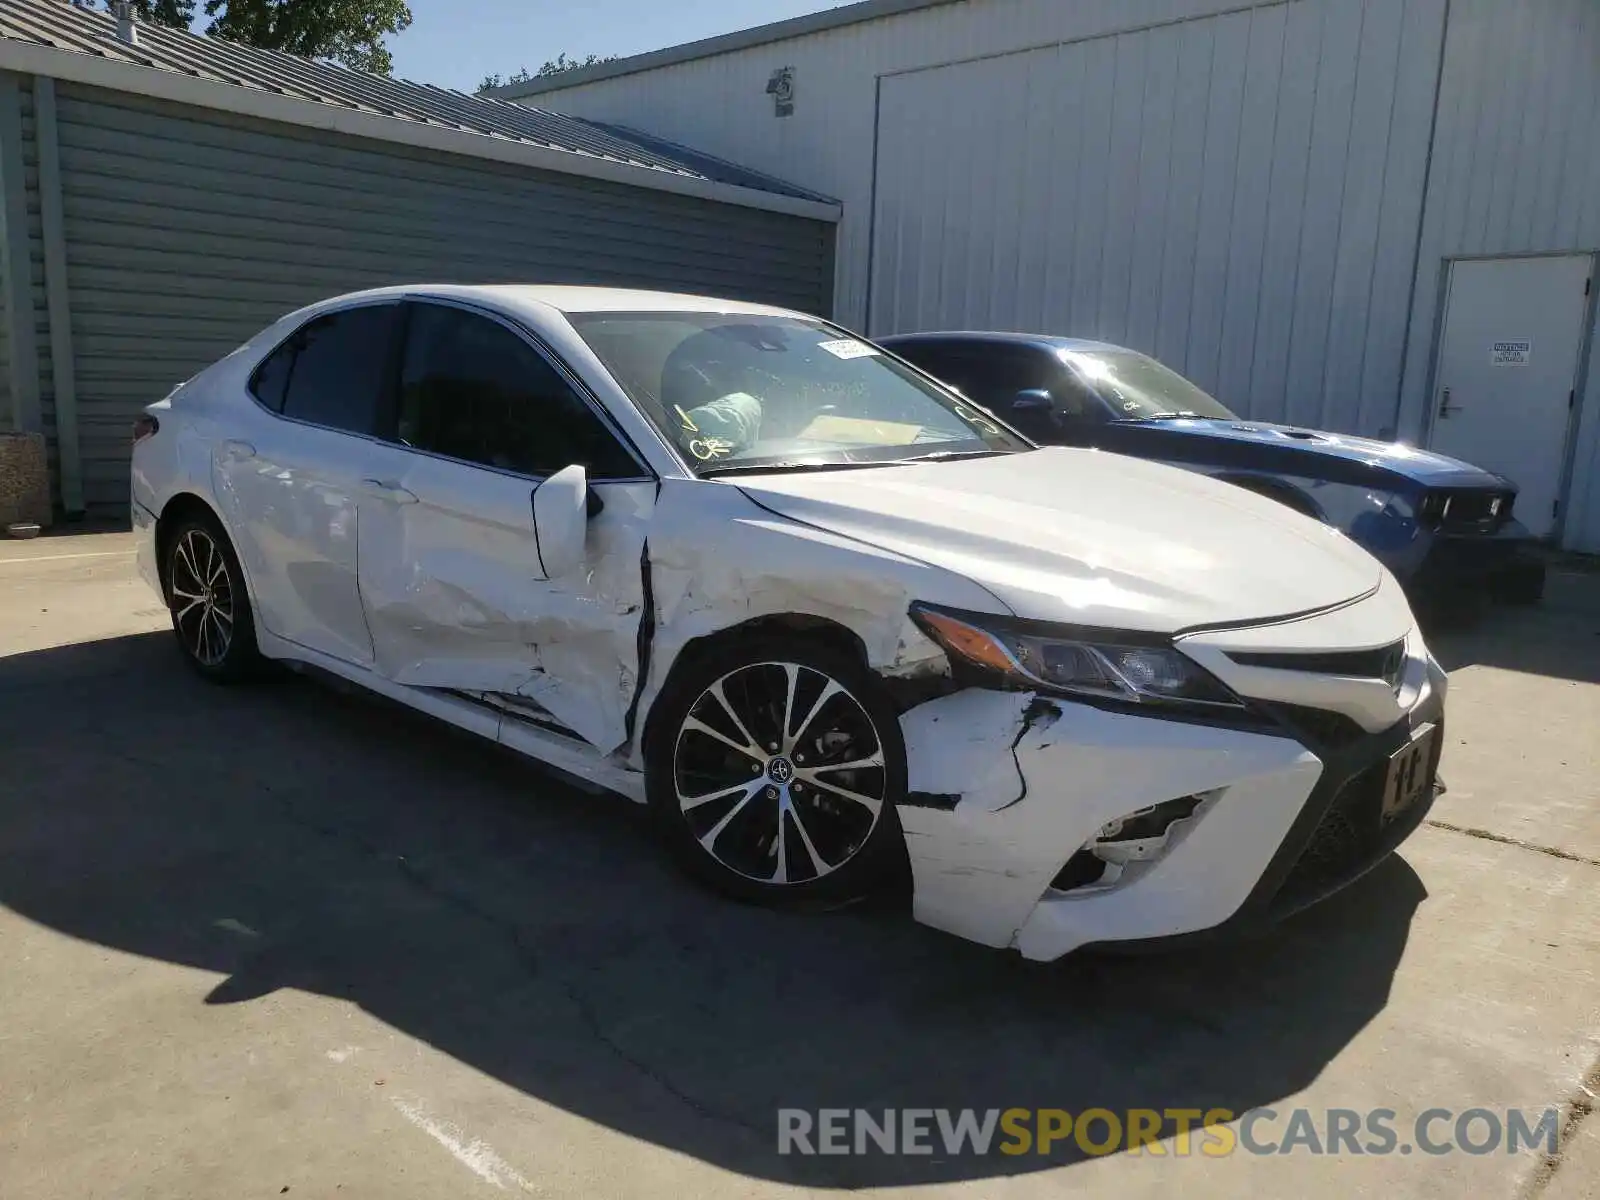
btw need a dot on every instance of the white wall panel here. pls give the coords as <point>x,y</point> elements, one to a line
<point>1516,170</point>
<point>719,104</point>
<point>1237,186</point>
<point>1211,191</point>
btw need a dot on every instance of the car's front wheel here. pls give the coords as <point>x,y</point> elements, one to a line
<point>209,602</point>
<point>774,769</point>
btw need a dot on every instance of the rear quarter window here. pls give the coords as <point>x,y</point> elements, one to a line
<point>333,370</point>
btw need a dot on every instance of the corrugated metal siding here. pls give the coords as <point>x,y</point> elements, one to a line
<point>1237,195</point>
<point>41,316</point>
<point>188,231</point>
<point>719,104</point>
<point>1516,170</point>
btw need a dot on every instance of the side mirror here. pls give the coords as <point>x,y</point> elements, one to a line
<point>561,519</point>
<point>1033,410</point>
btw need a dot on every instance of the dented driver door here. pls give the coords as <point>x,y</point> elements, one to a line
<point>450,574</point>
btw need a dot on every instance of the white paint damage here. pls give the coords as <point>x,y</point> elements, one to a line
<point>446,612</point>
<point>474,1154</point>
<point>719,560</point>
<point>984,853</point>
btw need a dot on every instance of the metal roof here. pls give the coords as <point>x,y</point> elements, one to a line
<point>761,35</point>
<point>60,25</point>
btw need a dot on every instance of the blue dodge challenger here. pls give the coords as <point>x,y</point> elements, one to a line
<point>1442,526</point>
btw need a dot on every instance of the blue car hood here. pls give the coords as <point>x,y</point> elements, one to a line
<point>1424,466</point>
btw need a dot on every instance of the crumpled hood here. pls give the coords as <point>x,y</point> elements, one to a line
<point>1425,466</point>
<point>1088,537</point>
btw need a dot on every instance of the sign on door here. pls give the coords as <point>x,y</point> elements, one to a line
<point>1513,353</point>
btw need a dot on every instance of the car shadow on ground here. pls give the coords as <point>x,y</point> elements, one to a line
<point>1558,637</point>
<point>533,931</point>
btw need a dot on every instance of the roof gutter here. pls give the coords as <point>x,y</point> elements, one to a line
<point>744,39</point>
<point>32,59</point>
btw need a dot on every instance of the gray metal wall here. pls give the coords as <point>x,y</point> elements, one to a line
<point>1516,170</point>
<point>1238,195</point>
<point>719,104</point>
<point>1261,191</point>
<point>186,231</point>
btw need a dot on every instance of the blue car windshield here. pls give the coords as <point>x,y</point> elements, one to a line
<point>1140,389</point>
<point>737,392</point>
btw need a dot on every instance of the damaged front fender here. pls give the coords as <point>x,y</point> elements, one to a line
<point>719,561</point>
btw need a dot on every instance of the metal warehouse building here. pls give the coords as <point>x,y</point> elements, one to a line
<point>163,196</point>
<point>1375,216</point>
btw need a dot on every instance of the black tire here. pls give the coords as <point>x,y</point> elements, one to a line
<point>208,600</point>
<point>836,846</point>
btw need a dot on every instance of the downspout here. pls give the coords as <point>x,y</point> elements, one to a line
<point>69,463</point>
<point>17,308</point>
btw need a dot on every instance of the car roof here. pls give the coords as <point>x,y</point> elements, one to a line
<point>563,298</point>
<point>998,337</point>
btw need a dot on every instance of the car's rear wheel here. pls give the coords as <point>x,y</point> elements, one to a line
<point>774,770</point>
<point>208,600</point>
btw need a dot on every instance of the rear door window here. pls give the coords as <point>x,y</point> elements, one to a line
<point>334,370</point>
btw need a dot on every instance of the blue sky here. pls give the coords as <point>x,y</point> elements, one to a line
<point>455,43</point>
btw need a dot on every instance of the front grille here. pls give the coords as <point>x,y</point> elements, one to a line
<point>1348,833</point>
<point>1384,663</point>
<point>1352,834</point>
<point>1463,509</point>
<point>1318,726</point>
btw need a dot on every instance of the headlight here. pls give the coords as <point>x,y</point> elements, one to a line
<point>1105,669</point>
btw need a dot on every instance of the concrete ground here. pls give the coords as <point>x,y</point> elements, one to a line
<point>278,940</point>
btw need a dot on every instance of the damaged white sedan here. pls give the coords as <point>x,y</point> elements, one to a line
<point>824,615</point>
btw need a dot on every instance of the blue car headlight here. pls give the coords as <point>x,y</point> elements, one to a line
<point>1074,664</point>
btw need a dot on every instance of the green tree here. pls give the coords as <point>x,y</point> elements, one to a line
<point>178,14</point>
<point>558,65</point>
<point>346,31</point>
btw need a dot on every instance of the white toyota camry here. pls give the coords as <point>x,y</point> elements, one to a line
<point>825,616</point>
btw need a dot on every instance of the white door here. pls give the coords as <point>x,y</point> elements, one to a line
<point>1508,366</point>
<point>450,572</point>
<point>289,482</point>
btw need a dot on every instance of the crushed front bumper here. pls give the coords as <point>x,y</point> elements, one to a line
<point>1006,788</point>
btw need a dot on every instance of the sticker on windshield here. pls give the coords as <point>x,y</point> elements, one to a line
<point>848,348</point>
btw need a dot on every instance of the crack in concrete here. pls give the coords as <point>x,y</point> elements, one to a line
<point>529,958</point>
<point>1486,835</point>
<point>1576,1111</point>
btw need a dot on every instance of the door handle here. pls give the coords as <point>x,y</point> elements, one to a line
<point>239,451</point>
<point>388,489</point>
<point>1445,407</point>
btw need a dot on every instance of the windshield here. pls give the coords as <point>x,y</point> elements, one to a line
<point>735,391</point>
<point>1141,389</point>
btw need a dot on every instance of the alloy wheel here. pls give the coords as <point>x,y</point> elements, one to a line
<point>202,597</point>
<point>779,773</point>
